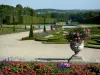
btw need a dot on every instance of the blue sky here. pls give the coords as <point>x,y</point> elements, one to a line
<point>55,4</point>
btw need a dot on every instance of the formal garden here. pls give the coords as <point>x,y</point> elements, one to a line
<point>55,35</point>
<point>49,29</point>
<point>58,35</point>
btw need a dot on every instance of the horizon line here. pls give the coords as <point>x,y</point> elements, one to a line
<point>55,8</point>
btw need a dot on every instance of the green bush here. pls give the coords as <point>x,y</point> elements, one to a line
<point>51,27</point>
<point>31,31</point>
<point>44,29</point>
<point>14,29</point>
<point>27,38</point>
<point>25,27</point>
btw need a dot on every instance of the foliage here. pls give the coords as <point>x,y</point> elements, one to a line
<point>8,30</point>
<point>95,30</point>
<point>20,15</point>
<point>94,42</point>
<point>78,35</point>
<point>44,29</point>
<point>34,68</point>
<point>31,31</point>
<point>25,27</point>
<point>1,26</point>
<point>14,29</point>
<point>80,16</point>
<point>51,27</point>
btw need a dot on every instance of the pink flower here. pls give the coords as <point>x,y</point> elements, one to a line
<point>78,38</point>
<point>78,34</point>
<point>88,30</point>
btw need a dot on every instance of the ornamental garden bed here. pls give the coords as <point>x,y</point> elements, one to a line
<point>94,42</point>
<point>50,68</point>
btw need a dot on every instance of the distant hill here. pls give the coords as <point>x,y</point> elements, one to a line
<point>63,11</point>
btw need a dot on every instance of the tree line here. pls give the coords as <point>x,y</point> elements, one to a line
<point>27,15</point>
<point>90,16</point>
<point>21,15</point>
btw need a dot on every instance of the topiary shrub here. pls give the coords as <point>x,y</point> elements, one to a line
<point>44,29</point>
<point>33,26</point>
<point>25,27</point>
<point>1,26</point>
<point>51,27</point>
<point>31,31</point>
<point>14,29</point>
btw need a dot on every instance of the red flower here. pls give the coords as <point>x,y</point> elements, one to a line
<point>31,70</point>
<point>17,63</point>
<point>13,74</point>
<point>1,73</point>
<point>25,70</point>
<point>20,69</point>
<point>50,68</point>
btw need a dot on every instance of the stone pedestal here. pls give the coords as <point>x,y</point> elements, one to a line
<point>77,59</point>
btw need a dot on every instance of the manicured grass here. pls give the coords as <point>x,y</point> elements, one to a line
<point>7,29</point>
<point>58,38</point>
<point>92,46</point>
<point>10,30</point>
<point>94,42</point>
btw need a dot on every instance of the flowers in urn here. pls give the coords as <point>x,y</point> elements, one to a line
<point>77,37</point>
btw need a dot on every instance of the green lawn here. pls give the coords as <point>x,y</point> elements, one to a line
<point>7,29</point>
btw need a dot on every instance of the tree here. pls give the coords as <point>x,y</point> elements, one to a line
<point>19,8</point>
<point>31,31</point>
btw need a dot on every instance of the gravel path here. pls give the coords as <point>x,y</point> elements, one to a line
<point>11,46</point>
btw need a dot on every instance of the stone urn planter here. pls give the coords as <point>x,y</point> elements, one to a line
<point>77,46</point>
<point>77,37</point>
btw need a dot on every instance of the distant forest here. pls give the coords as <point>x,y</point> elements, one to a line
<point>26,15</point>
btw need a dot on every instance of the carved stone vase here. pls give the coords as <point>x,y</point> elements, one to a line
<point>76,46</point>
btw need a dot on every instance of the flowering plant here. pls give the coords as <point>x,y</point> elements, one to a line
<point>40,68</point>
<point>79,35</point>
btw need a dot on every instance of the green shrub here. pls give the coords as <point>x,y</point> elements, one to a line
<point>33,26</point>
<point>92,46</point>
<point>44,29</point>
<point>14,29</point>
<point>1,26</point>
<point>51,27</point>
<point>31,31</point>
<point>25,27</point>
<point>27,38</point>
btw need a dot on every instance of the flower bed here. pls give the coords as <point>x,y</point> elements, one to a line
<point>35,68</point>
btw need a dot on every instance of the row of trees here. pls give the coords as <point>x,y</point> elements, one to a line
<point>82,17</point>
<point>20,15</point>
<point>27,20</point>
<point>26,15</point>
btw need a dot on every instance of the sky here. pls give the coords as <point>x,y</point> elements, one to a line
<point>55,4</point>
